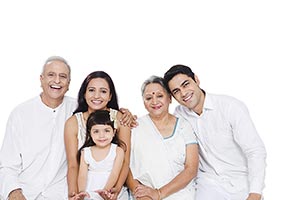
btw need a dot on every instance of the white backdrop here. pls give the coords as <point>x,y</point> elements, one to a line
<point>247,49</point>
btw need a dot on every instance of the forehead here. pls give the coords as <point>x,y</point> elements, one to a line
<point>98,82</point>
<point>178,79</point>
<point>101,126</point>
<point>56,66</point>
<point>153,87</point>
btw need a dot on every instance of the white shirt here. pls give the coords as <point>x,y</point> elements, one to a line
<point>33,156</point>
<point>228,141</point>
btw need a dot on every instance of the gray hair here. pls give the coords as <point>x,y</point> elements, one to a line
<point>154,79</point>
<point>57,58</point>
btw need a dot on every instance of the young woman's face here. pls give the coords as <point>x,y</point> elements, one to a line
<point>102,135</point>
<point>156,99</point>
<point>97,94</point>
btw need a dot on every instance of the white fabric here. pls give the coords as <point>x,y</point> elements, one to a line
<point>33,156</point>
<point>99,171</point>
<point>231,152</point>
<point>155,160</point>
<point>123,195</point>
<point>81,129</point>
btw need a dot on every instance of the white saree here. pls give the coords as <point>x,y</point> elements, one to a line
<point>155,160</point>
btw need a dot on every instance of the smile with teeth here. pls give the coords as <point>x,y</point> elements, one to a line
<point>188,97</point>
<point>55,87</point>
<point>156,107</point>
<point>96,101</point>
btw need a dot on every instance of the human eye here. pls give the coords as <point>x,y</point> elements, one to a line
<point>104,91</point>
<point>175,91</point>
<point>186,84</point>
<point>160,96</point>
<point>63,76</point>
<point>107,130</point>
<point>148,98</point>
<point>51,74</point>
<point>91,89</point>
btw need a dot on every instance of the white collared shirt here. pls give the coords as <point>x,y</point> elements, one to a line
<point>33,156</point>
<point>231,152</point>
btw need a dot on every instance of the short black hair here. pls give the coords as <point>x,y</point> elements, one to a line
<point>177,69</point>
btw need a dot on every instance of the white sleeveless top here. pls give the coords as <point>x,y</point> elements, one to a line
<point>99,171</point>
<point>82,125</point>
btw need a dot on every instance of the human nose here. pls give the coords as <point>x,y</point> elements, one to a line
<point>154,100</point>
<point>97,94</point>
<point>56,79</point>
<point>183,93</point>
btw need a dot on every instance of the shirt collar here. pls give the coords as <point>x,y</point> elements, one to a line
<point>208,101</point>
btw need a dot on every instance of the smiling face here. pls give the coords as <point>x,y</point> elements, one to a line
<point>187,91</point>
<point>97,94</point>
<point>55,80</point>
<point>102,135</point>
<point>156,99</point>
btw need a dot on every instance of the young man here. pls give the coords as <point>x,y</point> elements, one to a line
<point>32,158</point>
<point>232,155</point>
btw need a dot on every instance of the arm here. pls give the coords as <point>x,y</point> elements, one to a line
<point>71,144</point>
<point>134,186</point>
<point>118,163</point>
<point>131,182</point>
<point>124,135</point>
<point>246,136</point>
<point>10,160</point>
<point>82,174</point>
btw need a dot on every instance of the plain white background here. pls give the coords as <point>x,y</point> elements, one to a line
<point>246,49</point>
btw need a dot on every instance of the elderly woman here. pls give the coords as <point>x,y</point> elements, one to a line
<point>164,152</point>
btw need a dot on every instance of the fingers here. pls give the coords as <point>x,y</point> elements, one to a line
<point>127,118</point>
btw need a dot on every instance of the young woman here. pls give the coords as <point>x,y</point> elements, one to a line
<point>97,92</point>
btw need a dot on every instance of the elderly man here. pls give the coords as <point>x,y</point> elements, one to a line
<point>32,158</point>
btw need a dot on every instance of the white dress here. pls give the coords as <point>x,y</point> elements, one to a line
<point>123,195</point>
<point>98,171</point>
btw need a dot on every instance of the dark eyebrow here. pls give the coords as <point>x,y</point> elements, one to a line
<point>182,84</point>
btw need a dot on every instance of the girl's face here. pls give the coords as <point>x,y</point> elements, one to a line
<point>102,135</point>
<point>156,99</point>
<point>97,94</point>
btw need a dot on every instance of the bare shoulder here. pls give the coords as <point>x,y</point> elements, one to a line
<point>119,151</point>
<point>71,125</point>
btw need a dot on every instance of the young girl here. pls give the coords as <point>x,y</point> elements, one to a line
<point>101,156</point>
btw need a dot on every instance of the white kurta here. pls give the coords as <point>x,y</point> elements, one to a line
<point>232,155</point>
<point>155,160</point>
<point>33,156</point>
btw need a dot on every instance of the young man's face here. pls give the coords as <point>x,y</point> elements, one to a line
<point>185,90</point>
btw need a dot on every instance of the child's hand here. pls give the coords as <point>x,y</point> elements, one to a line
<point>105,194</point>
<point>82,195</point>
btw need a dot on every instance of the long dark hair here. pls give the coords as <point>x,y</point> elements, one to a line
<point>99,117</point>
<point>82,105</point>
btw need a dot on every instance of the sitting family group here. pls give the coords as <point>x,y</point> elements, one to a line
<point>57,147</point>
